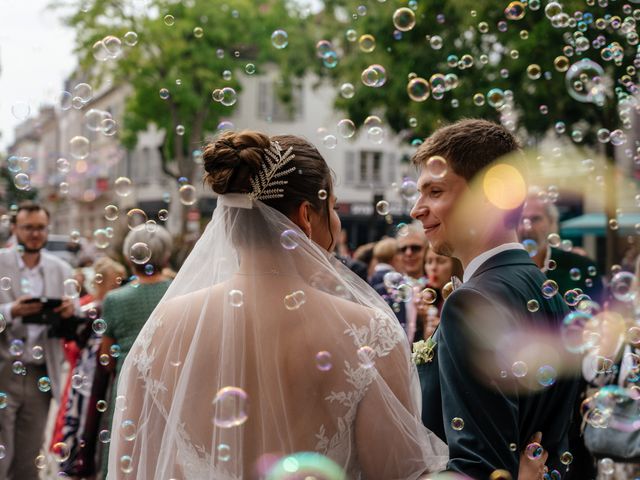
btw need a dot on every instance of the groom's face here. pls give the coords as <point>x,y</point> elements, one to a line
<point>437,209</point>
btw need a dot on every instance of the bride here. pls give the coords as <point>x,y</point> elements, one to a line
<point>267,358</point>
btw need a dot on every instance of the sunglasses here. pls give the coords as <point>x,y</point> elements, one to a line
<point>413,248</point>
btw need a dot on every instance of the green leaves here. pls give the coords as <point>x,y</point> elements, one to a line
<point>501,51</point>
<point>187,55</point>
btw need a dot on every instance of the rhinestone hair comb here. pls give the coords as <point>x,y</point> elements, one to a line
<point>268,182</point>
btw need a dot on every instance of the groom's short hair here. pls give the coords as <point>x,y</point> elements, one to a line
<point>468,146</point>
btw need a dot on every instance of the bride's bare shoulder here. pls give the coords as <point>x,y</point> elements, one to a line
<point>349,309</point>
<point>191,304</point>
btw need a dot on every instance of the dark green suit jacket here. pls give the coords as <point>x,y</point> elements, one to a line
<point>495,297</point>
<point>588,282</point>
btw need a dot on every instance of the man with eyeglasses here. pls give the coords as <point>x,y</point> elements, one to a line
<point>30,361</point>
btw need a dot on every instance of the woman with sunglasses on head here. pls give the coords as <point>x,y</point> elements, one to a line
<point>440,269</point>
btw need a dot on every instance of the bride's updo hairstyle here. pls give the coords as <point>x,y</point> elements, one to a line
<point>234,157</point>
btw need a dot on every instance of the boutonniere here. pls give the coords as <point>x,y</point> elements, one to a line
<point>423,351</point>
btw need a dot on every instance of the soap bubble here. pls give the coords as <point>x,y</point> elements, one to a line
<point>20,110</point>
<point>374,76</point>
<point>584,81</point>
<point>22,181</point>
<point>83,92</point>
<point>136,217</point>
<point>408,190</point>
<point>519,369</point>
<point>236,298</point>
<point>347,90</point>
<point>534,451</point>
<point>375,135</point>
<point>496,97</point>
<point>323,361</point>
<point>549,288</point>
<point>279,39</point>
<point>140,253</point>
<point>79,147</point>
<point>111,213</point>
<point>515,11</point>
<point>366,356</point>
<point>404,19</point>
<point>128,430</point>
<point>130,38</point>
<point>101,238</point>
<point>457,424</point>
<point>367,43</point>
<point>123,186</point>
<point>44,384</point>
<point>187,194</point>
<point>71,288</point>
<point>295,300</point>
<point>230,407</point>
<point>346,128</point>
<point>228,96</point>
<point>622,287</point>
<point>60,452</point>
<point>546,375</point>
<point>436,167</point>
<point>418,89</point>
<point>382,207</point>
<point>289,239</point>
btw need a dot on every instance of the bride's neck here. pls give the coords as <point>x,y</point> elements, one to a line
<point>259,262</point>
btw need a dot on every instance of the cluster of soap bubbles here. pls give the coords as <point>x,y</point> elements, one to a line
<point>226,96</point>
<point>329,55</point>
<point>101,121</point>
<point>21,168</point>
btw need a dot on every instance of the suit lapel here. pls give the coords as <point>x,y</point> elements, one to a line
<point>502,259</point>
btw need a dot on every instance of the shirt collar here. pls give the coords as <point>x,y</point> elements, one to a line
<point>21,264</point>
<point>484,256</point>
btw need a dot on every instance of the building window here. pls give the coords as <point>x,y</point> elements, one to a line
<point>272,108</point>
<point>350,168</point>
<point>370,169</point>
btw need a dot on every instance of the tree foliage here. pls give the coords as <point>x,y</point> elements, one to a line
<point>503,55</point>
<point>183,47</point>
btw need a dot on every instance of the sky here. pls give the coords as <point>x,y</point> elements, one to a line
<point>35,58</point>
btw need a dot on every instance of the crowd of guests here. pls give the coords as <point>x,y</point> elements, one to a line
<point>113,301</point>
<point>71,353</point>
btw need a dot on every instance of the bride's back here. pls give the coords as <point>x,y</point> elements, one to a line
<point>301,397</point>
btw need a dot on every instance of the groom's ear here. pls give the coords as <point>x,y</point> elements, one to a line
<point>302,217</point>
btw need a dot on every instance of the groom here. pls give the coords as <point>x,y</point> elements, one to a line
<point>489,383</point>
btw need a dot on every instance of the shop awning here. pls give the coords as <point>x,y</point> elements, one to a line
<point>596,223</point>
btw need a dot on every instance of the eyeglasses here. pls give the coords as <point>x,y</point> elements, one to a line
<point>34,228</point>
<point>413,248</point>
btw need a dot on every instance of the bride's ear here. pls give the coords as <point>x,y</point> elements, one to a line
<point>302,217</point>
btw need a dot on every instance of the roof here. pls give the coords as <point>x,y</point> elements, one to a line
<point>596,223</point>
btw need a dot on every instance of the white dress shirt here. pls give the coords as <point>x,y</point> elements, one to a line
<point>484,256</point>
<point>32,284</point>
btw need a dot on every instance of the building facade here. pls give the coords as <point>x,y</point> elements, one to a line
<point>78,181</point>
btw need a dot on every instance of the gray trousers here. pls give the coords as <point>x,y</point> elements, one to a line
<point>22,423</point>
